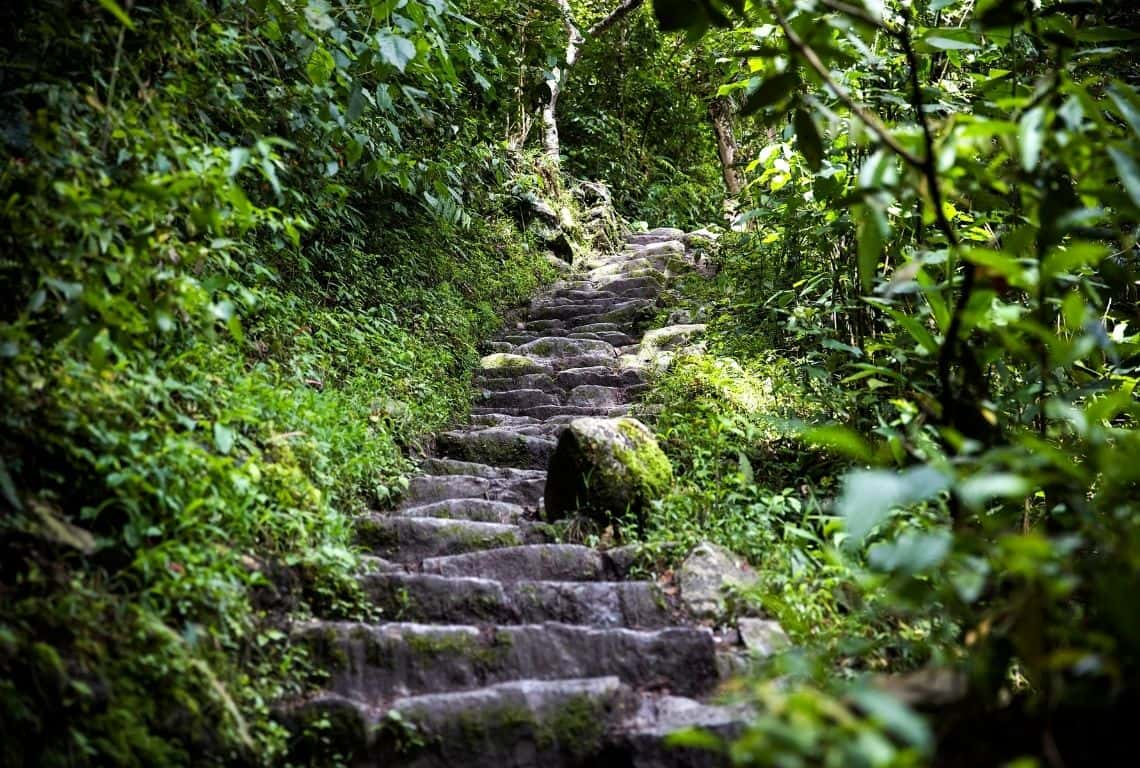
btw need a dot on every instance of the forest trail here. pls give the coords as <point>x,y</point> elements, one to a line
<point>501,648</point>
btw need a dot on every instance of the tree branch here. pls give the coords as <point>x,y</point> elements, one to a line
<point>617,14</point>
<point>869,119</point>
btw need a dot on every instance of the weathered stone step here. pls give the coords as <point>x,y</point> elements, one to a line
<point>535,562</point>
<point>517,724</point>
<point>513,399</point>
<point>570,723</point>
<point>600,328</point>
<point>646,286</point>
<point>658,235</point>
<point>539,381</point>
<point>479,510</point>
<point>549,347</point>
<point>501,420</point>
<point>373,662</point>
<point>595,396</point>
<point>508,365</point>
<point>543,382</point>
<point>522,490</point>
<point>468,600</point>
<point>586,361</point>
<point>438,466</point>
<point>412,539</point>
<point>541,325</point>
<point>553,411</point>
<point>497,446</point>
<point>641,737</point>
<point>602,376</point>
<point>582,293</point>
<point>613,338</point>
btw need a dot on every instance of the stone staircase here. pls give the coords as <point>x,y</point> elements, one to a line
<point>502,648</point>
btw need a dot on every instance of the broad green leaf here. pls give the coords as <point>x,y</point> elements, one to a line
<point>1126,166</point>
<point>911,553</point>
<point>916,329</point>
<point>808,138</point>
<point>1031,137</point>
<point>1127,102</point>
<point>981,488</point>
<point>895,716</point>
<point>117,11</point>
<point>320,66</point>
<point>223,438</point>
<point>770,91</point>
<point>869,496</point>
<point>841,439</point>
<point>950,40</point>
<point>396,50</point>
<point>872,229</point>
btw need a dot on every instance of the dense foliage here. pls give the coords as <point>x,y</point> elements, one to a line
<point>249,250</point>
<point>944,243</point>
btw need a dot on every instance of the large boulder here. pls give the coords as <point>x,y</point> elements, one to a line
<point>706,576</point>
<point>602,468</point>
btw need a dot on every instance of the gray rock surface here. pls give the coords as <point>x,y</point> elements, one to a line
<point>604,469</point>
<point>705,576</point>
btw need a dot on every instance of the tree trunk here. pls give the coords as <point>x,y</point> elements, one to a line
<point>574,40</point>
<point>721,112</point>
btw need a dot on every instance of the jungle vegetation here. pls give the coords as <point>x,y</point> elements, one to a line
<point>248,251</point>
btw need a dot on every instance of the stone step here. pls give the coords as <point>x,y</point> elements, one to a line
<point>513,399</point>
<point>426,597</point>
<point>616,338</point>
<point>541,325</point>
<point>600,328</point>
<point>491,347</point>
<point>602,376</point>
<point>643,287</point>
<point>497,446</point>
<point>434,466</point>
<point>565,310</point>
<point>582,294</point>
<point>595,396</point>
<point>508,365</point>
<point>586,361</point>
<point>502,420</point>
<point>413,539</point>
<point>535,562</point>
<point>657,235</point>
<point>479,510</point>
<point>570,723</point>
<point>603,411</point>
<point>372,662</point>
<point>634,267</point>
<point>640,738</point>
<point>525,491</point>
<point>549,347</point>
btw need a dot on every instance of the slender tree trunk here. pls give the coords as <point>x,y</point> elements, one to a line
<point>721,112</point>
<point>574,41</point>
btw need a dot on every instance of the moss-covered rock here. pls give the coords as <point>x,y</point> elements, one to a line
<point>604,468</point>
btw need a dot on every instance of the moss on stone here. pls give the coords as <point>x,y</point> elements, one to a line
<point>576,727</point>
<point>510,362</point>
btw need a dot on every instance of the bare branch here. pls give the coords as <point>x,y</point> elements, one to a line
<point>617,14</point>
